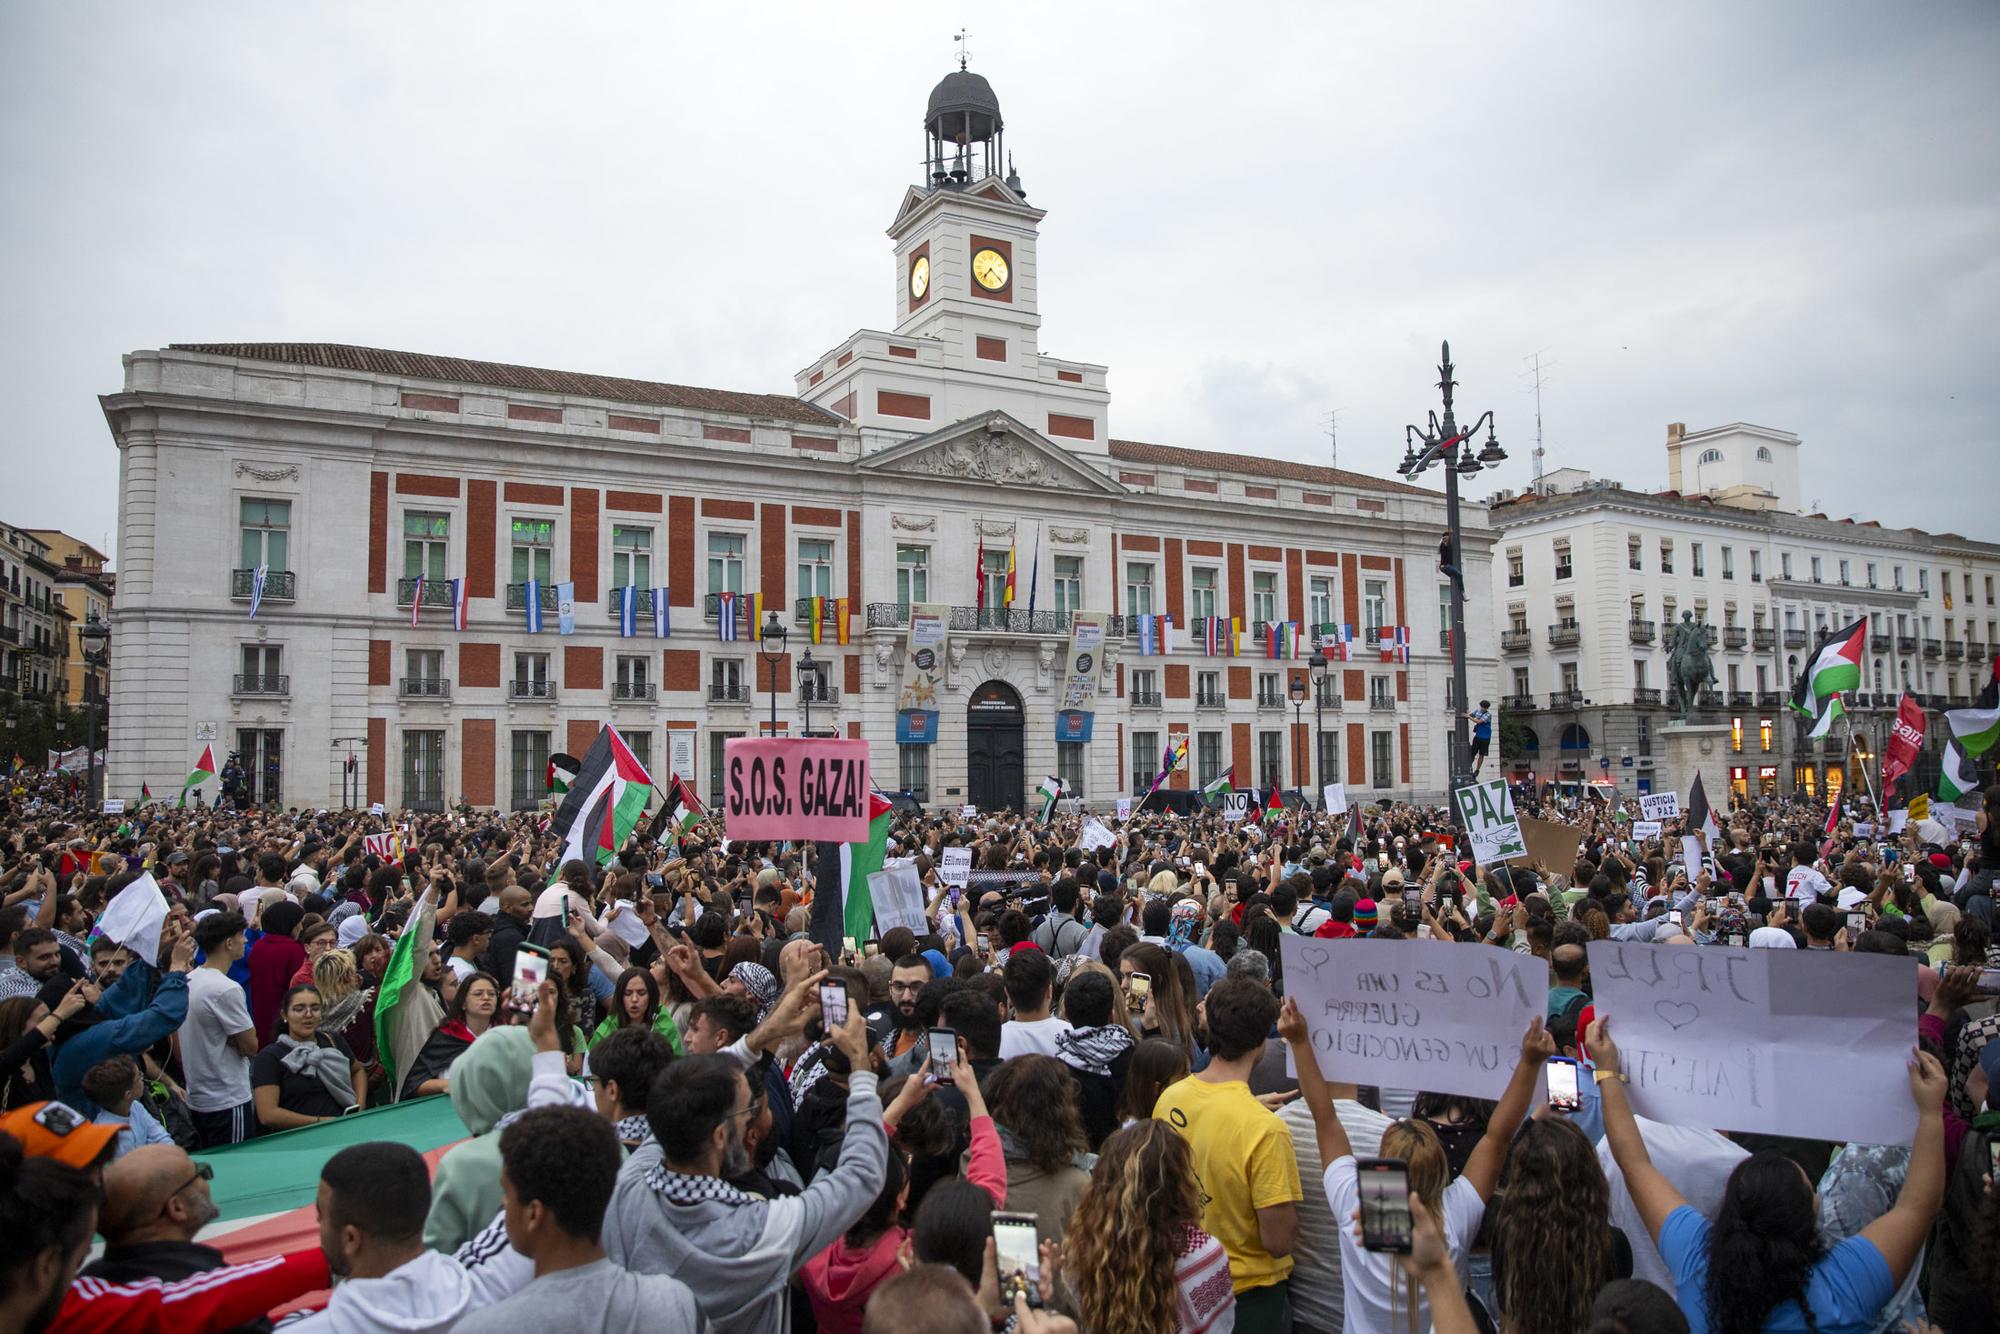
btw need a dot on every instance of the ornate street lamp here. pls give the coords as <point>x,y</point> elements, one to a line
<point>772,642</point>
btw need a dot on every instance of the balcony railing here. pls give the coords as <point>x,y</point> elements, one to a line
<point>517,597</point>
<point>1517,703</point>
<point>728,692</point>
<point>1565,636</point>
<point>1708,699</point>
<point>10,634</point>
<point>1269,700</point>
<point>518,689</point>
<point>1795,638</point>
<point>1640,632</point>
<point>1954,651</point>
<point>1734,636</point>
<point>1210,699</point>
<point>829,612</point>
<point>262,685</point>
<point>614,601</point>
<point>995,620</point>
<point>1763,637</point>
<point>1741,699</point>
<point>819,692</point>
<point>1565,699</point>
<point>633,692</point>
<point>1381,704</point>
<point>424,687</point>
<point>1647,696</point>
<point>1328,696</point>
<point>1879,643</point>
<point>1906,643</point>
<point>279,585</point>
<point>1933,647</point>
<point>1145,699</point>
<point>1769,699</point>
<point>1516,641</point>
<point>437,592</point>
<point>1975,650</point>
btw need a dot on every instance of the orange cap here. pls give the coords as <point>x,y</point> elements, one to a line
<point>57,1130</point>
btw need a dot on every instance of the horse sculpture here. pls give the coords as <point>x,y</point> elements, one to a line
<point>1689,668</point>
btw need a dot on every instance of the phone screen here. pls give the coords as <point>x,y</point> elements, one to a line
<point>982,942</point>
<point>1140,987</point>
<point>944,1047</point>
<point>531,965</point>
<point>1736,940</point>
<point>1385,1204</point>
<point>1563,1094</point>
<point>1016,1257</point>
<point>833,1002</point>
<point>1413,895</point>
<point>1856,922</point>
<point>848,943</point>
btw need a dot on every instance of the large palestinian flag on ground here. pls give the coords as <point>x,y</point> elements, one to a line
<point>1834,667</point>
<point>604,804</point>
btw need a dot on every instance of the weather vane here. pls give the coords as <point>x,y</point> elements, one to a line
<point>964,51</point>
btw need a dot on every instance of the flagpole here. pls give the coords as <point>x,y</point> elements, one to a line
<point>1847,716</point>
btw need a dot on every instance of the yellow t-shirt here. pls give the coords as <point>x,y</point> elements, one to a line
<point>1243,1161</point>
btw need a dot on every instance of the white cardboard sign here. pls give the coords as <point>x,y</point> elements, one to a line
<point>1425,1014</point>
<point>968,812</point>
<point>1335,797</point>
<point>1095,835</point>
<point>1645,829</point>
<point>1660,805</point>
<point>1487,812</point>
<point>1773,1041</point>
<point>1691,856</point>
<point>114,805</point>
<point>955,866</point>
<point>898,899</point>
<point>1124,809</point>
<point>1235,805</point>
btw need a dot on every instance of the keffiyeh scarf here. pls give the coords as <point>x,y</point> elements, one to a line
<point>678,1188</point>
<point>756,979</point>
<point>1092,1050</point>
<point>328,1064</point>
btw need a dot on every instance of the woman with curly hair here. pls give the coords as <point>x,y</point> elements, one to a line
<point>1136,1256</point>
<point>1556,1202</point>
<point>1761,1263</point>
<point>1033,1102</point>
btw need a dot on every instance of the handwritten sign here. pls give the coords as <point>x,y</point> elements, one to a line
<point>955,866</point>
<point>1235,805</point>
<point>1660,805</point>
<point>1334,796</point>
<point>1774,1041</point>
<point>376,809</point>
<point>114,805</point>
<point>1645,829</point>
<point>379,845</point>
<point>898,899</point>
<point>1124,809</point>
<point>1421,1014</point>
<point>814,789</point>
<point>1095,835</point>
<point>968,812</point>
<point>1487,812</point>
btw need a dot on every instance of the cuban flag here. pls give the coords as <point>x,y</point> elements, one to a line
<point>725,617</point>
<point>533,604</point>
<point>461,598</point>
<point>257,589</point>
<point>628,612</point>
<point>1211,635</point>
<point>1402,643</point>
<point>662,628</point>
<point>417,599</point>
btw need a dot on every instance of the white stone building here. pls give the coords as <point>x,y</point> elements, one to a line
<point>1589,574</point>
<point>901,455</point>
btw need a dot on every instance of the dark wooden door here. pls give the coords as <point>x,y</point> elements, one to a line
<point>996,767</point>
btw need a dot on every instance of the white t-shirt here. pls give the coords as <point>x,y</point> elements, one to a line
<point>218,1076</point>
<point>1317,1299</point>
<point>1696,1162</point>
<point>1804,883</point>
<point>1033,1037</point>
<point>461,968</point>
<point>1366,1275</point>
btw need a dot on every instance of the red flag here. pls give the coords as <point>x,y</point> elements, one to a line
<point>979,570</point>
<point>1906,741</point>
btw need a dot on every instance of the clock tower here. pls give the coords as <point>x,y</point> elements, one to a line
<point>966,286</point>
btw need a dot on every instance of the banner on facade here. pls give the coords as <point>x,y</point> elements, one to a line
<point>1080,669</point>
<point>1073,724</point>
<point>680,754</point>
<point>923,674</point>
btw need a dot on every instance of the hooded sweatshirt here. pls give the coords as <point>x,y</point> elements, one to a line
<point>736,1252</point>
<point>424,1294</point>
<point>487,1082</point>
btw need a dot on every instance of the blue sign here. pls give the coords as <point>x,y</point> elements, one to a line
<point>1073,724</point>
<point>916,727</point>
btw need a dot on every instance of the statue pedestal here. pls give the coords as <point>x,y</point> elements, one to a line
<point>1690,747</point>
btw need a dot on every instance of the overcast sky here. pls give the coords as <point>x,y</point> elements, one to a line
<point>1778,213</point>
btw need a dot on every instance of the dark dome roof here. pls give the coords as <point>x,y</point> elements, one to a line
<point>958,93</point>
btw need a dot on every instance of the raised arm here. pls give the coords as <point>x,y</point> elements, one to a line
<point>1651,1191</point>
<point>1899,1234</point>
<point>1332,1136</point>
<point>1483,1168</point>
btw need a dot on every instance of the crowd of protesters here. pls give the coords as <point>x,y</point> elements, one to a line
<point>1094,1049</point>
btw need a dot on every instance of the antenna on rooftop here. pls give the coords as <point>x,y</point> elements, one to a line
<point>1538,369</point>
<point>1333,437</point>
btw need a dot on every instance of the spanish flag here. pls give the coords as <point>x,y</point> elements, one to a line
<point>818,610</point>
<point>1007,598</point>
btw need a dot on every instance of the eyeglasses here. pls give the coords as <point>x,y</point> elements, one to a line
<point>202,1172</point>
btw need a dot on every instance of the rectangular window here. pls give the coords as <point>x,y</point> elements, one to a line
<point>424,666</point>
<point>1868,571</point>
<point>1735,677</point>
<point>534,542</point>
<point>1817,570</point>
<point>1736,735</point>
<point>1319,601</point>
<point>1203,592</point>
<point>1843,574</point>
<point>632,673</point>
<point>1568,675</point>
<point>1069,766</point>
<point>1764,735</point>
<point>267,534</point>
<point>1208,688</point>
<point>725,678</point>
<point>641,743</point>
<point>1270,759</point>
<point>913,771</point>
<point>1923,580</point>
<point>423,770</point>
<point>1784,564</point>
<point>1564,567</point>
<point>1521,681</point>
<point>1329,755</point>
<point>631,557</point>
<point>725,562</point>
<point>1069,584</point>
<point>913,574</point>
<point>1380,696</point>
<point>1145,686</point>
<point>1375,607</point>
<point>529,777</point>
<point>1696,565</point>
<point>1263,595</point>
<point>1382,759</point>
<point>1639,673</point>
<point>531,670</point>
<point>1635,558</point>
<point>1728,562</point>
<point>815,568</point>
<point>1666,555</point>
<point>1267,690</point>
<point>1756,566</point>
<point>994,577</point>
<point>1444,618</point>
<point>1516,571</point>
<point>718,743</point>
<point>263,669</point>
<point>1207,757</point>
<point>426,537</point>
<point>1138,588</point>
<point>1145,760</point>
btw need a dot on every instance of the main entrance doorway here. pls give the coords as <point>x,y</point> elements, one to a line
<point>995,778</point>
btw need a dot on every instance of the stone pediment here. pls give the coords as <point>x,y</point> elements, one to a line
<point>993,447</point>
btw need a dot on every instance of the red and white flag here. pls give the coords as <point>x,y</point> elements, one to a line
<point>1906,742</point>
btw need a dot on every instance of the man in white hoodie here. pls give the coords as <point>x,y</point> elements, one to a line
<point>373,1199</point>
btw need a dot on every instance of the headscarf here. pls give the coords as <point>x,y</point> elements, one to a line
<point>1732,921</point>
<point>940,966</point>
<point>757,981</point>
<point>351,929</point>
<point>1772,938</point>
<point>1975,1040</point>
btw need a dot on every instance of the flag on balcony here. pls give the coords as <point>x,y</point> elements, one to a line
<point>628,612</point>
<point>532,603</point>
<point>725,617</point>
<point>1149,643</point>
<point>1955,777</point>
<point>1834,667</point>
<point>1274,634</point>
<point>1402,643</point>
<point>417,600</point>
<point>566,608</point>
<point>979,569</point>
<point>1050,791</point>
<point>756,614</point>
<point>461,597</point>
<point>1007,594</point>
<point>1211,636</point>
<point>1035,572</point>
<point>1236,636</point>
<point>257,589</point>
<point>818,612</point>
<point>1166,634</point>
<point>840,620</point>
<point>662,627</point>
<point>204,769</point>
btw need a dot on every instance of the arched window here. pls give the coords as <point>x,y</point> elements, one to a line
<point>1575,738</point>
<point>1530,743</point>
<point>1763,453</point>
<point>1711,456</point>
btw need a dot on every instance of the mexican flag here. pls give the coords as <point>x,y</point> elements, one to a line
<point>204,769</point>
<point>604,804</point>
<point>1835,666</point>
<point>1954,775</point>
<point>406,1011</point>
<point>1223,785</point>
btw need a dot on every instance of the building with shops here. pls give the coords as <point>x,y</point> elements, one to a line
<point>932,462</point>
<point>84,588</point>
<point>1588,574</point>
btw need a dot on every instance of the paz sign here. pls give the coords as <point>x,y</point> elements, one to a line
<point>1486,810</point>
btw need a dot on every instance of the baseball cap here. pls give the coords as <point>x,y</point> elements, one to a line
<point>57,1130</point>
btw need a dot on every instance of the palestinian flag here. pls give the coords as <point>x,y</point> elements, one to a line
<point>406,1011</point>
<point>842,905</point>
<point>561,773</point>
<point>1224,783</point>
<point>1835,666</point>
<point>1050,791</point>
<point>1272,807</point>
<point>603,806</point>
<point>1977,728</point>
<point>1833,816</point>
<point>1700,816</point>
<point>1832,713</point>
<point>204,769</point>
<point>1954,775</point>
<point>682,811</point>
<point>145,793</point>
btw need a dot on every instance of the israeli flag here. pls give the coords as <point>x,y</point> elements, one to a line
<point>534,606</point>
<point>628,611</point>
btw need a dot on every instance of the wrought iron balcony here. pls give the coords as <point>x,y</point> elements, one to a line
<point>10,634</point>
<point>279,585</point>
<point>1708,699</point>
<point>1640,632</point>
<point>614,601</point>
<point>1565,635</point>
<point>1933,647</point>
<point>1145,699</point>
<point>1906,643</point>
<point>1516,641</point>
<point>1565,570</point>
<point>1769,699</point>
<point>728,692</point>
<point>1647,696</point>
<point>262,685</point>
<point>1734,636</point>
<point>519,689</point>
<point>829,612</point>
<point>817,691</point>
<point>1954,651</point>
<point>1763,637</point>
<point>424,687</point>
<point>517,597</point>
<point>1269,699</point>
<point>1879,642</point>
<point>634,692</point>
<point>1741,699</point>
<point>1517,703</point>
<point>994,620</point>
<point>1565,699</point>
<point>1975,650</point>
<point>1328,696</point>
<point>1381,704</point>
<point>1795,638</point>
<point>1210,699</point>
<point>437,592</point>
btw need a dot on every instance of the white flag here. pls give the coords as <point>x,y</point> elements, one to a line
<point>134,917</point>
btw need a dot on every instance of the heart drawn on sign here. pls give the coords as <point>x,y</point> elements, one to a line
<point>1315,955</point>
<point>1676,1014</point>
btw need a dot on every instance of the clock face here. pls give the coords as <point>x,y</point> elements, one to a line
<point>920,277</point>
<point>989,269</point>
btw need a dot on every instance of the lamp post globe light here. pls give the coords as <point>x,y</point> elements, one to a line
<point>96,638</point>
<point>1297,690</point>
<point>1317,669</point>
<point>807,685</point>
<point>772,642</point>
<point>1441,441</point>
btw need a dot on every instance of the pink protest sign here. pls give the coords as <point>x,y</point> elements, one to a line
<point>813,789</point>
